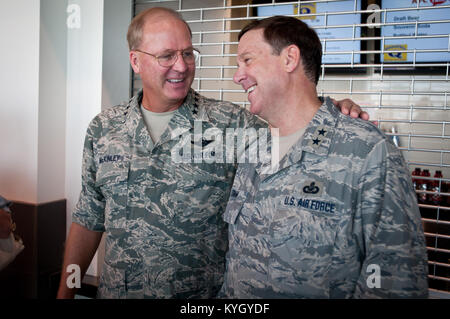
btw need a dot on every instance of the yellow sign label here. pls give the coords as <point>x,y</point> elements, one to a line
<point>395,56</point>
<point>307,8</point>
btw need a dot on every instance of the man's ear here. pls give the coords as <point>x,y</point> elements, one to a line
<point>134,61</point>
<point>291,57</point>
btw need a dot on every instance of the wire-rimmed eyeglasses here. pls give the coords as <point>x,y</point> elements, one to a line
<point>169,58</point>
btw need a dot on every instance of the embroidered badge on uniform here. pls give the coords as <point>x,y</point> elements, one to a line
<point>320,134</point>
<point>312,188</point>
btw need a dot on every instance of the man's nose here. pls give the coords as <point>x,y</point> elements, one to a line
<point>238,76</point>
<point>180,65</point>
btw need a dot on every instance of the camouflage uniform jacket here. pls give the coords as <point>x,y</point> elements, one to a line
<point>165,236</point>
<point>338,219</point>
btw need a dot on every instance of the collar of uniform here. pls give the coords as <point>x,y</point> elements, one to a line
<point>316,139</point>
<point>193,109</point>
<point>135,122</point>
<point>183,120</point>
<point>319,133</point>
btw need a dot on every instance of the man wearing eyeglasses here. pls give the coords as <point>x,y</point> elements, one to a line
<point>165,237</point>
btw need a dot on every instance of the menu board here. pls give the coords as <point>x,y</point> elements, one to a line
<point>323,16</point>
<point>417,29</point>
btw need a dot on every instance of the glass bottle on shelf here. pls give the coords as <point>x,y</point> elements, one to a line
<point>425,186</point>
<point>436,198</point>
<point>416,181</point>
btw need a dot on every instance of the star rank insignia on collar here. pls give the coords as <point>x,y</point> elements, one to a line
<point>321,130</point>
<point>320,134</point>
<point>195,104</point>
<point>315,141</point>
<point>195,110</point>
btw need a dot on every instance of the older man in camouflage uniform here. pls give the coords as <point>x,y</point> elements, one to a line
<point>164,234</point>
<point>338,218</point>
<point>165,237</point>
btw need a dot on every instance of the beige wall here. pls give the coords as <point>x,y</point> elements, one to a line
<point>19,99</point>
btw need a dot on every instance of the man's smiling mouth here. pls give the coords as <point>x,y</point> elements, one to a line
<point>250,89</point>
<point>175,80</point>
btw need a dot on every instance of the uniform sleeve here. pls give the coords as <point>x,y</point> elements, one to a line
<point>394,256</point>
<point>89,211</point>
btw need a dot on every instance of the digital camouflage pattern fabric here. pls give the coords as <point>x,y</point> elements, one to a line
<point>165,236</point>
<point>338,219</point>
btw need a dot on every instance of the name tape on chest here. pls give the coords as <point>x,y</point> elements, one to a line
<point>309,203</point>
<point>110,158</point>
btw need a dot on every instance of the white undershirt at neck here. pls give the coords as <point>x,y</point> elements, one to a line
<point>286,142</point>
<point>156,122</point>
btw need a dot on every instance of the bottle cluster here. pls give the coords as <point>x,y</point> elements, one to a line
<point>434,204</point>
<point>431,191</point>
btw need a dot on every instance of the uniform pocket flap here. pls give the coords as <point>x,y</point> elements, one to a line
<point>234,206</point>
<point>112,172</point>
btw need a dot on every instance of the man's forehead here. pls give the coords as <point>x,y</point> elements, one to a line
<point>251,42</point>
<point>159,22</point>
<point>171,31</point>
<point>156,14</point>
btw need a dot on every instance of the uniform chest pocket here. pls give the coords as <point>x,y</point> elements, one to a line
<point>304,227</point>
<point>235,206</point>
<point>303,242</point>
<point>112,176</point>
